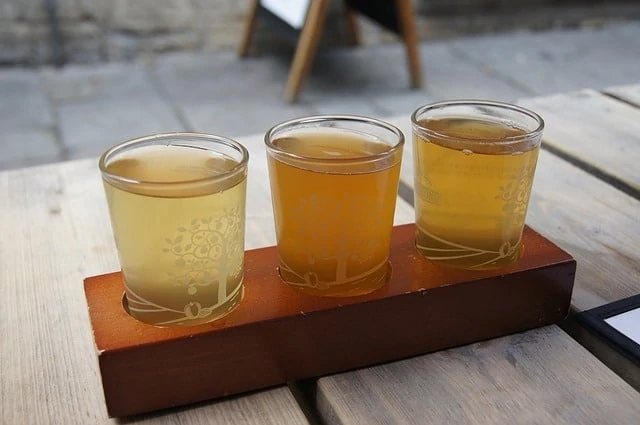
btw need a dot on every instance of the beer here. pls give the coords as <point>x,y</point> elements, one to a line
<point>179,230</point>
<point>472,188</point>
<point>334,202</point>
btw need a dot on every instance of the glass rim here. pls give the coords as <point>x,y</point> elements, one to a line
<point>242,164</point>
<point>497,105</point>
<point>308,121</point>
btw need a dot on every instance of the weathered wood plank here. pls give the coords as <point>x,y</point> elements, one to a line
<point>594,222</point>
<point>597,130</point>
<point>629,93</point>
<point>544,374</point>
<point>55,231</point>
<point>540,376</point>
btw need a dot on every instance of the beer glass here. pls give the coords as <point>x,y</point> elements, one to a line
<point>177,208</point>
<point>474,163</point>
<point>334,182</point>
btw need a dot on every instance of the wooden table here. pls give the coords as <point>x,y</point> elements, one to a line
<point>55,231</point>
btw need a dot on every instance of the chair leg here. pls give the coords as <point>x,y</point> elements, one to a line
<point>410,36</point>
<point>249,28</point>
<point>351,20</point>
<point>306,49</point>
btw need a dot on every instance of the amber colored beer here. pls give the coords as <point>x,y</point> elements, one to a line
<point>177,215</point>
<point>334,199</point>
<point>473,178</point>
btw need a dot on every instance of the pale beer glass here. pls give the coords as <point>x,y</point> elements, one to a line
<point>474,163</point>
<point>177,208</point>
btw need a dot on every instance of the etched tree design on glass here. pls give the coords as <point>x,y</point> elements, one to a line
<point>515,195</point>
<point>326,236</point>
<point>204,252</point>
<point>208,251</point>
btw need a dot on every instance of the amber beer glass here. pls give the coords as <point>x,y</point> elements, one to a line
<point>334,182</point>
<point>177,208</point>
<point>474,163</point>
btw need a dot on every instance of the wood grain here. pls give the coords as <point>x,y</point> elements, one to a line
<point>594,222</point>
<point>55,231</point>
<point>595,129</point>
<point>536,377</point>
<point>628,93</point>
<point>541,376</point>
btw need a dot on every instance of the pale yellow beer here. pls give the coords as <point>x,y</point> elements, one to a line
<point>473,177</point>
<point>334,192</point>
<point>177,210</point>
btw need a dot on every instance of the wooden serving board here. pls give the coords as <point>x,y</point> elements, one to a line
<point>279,334</point>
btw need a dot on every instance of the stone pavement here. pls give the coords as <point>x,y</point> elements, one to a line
<point>49,115</point>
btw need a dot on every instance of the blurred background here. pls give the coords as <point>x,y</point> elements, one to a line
<point>39,32</point>
<point>77,76</point>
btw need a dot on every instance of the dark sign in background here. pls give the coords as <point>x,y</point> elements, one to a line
<point>384,12</point>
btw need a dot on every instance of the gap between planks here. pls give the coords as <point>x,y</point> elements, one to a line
<point>594,171</point>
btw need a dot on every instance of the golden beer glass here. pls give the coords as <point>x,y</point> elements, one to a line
<point>177,208</point>
<point>474,163</point>
<point>334,182</point>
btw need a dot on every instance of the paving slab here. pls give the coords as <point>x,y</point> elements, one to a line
<point>214,77</point>
<point>100,106</point>
<point>81,84</point>
<point>558,61</point>
<point>382,71</point>
<point>350,79</point>
<point>27,124</point>
<point>358,71</point>
<point>50,114</point>
<point>235,118</point>
<point>28,147</point>
<point>348,104</point>
<point>356,78</point>
<point>225,95</point>
<point>403,102</point>
<point>449,75</point>
<point>628,33</point>
<point>23,104</point>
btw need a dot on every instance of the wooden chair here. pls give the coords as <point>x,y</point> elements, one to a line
<point>312,30</point>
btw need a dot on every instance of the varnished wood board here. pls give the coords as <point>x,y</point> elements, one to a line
<point>539,376</point>
<point>598,130</point>
<point>279,334</point>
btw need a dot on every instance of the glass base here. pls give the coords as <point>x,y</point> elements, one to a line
<point>474,265</point>
<point>217,314</point>
<point>366,285</point>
